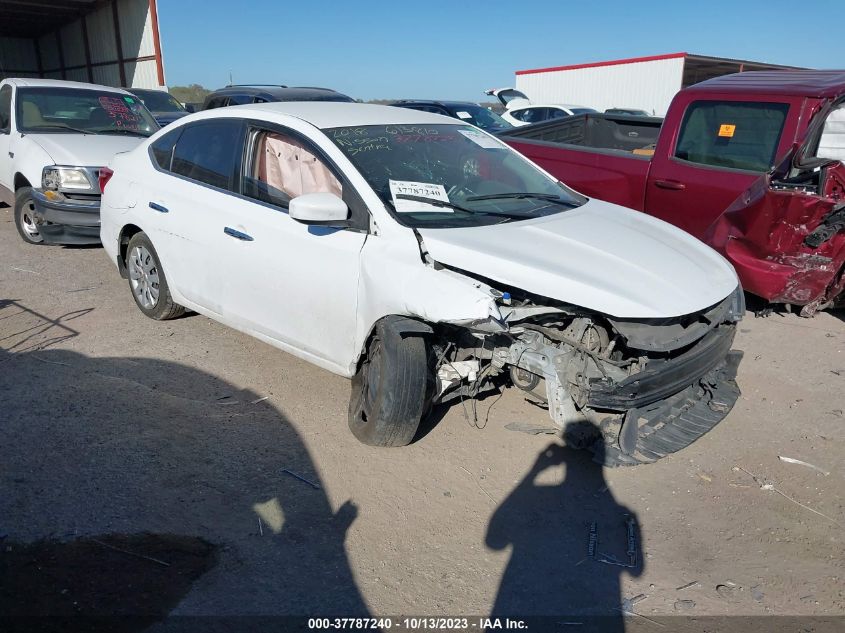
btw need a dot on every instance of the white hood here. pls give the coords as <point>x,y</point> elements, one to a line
<point>599,256</point>
<point>85,150</point>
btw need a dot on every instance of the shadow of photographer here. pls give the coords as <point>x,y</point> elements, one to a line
<point>137,455</point>
<point>570,540</point>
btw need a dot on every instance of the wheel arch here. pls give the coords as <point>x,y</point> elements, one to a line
<point>126,234</point>
<point>20,181</point>
<point>401,324</point>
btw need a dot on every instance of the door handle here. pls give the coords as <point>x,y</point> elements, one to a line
<point>674,185</point>
<point>237,234</point>
<point>159,208</point>
<point>11,154</point>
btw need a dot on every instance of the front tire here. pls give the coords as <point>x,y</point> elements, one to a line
<point>390,392</point>
<point>25,216</point>
<point>147,280</point>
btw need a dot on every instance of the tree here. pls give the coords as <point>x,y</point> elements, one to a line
<point>194,93</point>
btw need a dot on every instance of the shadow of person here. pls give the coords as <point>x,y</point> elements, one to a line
<point>555,569</point>
<point>107,450</point>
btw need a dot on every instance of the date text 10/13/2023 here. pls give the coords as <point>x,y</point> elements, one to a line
<point>418,624</point>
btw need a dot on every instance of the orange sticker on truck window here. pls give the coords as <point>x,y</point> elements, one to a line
<point>726,130</point>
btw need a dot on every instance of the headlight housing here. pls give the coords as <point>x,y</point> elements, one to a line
<point>56,178</point>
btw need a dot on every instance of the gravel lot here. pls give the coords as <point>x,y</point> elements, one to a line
<point>117,428</point>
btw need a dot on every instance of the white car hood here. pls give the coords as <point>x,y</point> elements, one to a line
<point>85,150</point>
<point>599,256</point>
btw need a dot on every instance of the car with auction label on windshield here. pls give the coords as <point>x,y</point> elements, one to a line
<point>430,263</point>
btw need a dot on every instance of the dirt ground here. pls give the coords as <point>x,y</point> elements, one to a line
<point>120,430</point>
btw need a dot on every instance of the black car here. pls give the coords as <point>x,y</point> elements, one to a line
<point>466,111</point>
<point>241,95</point>
<point>163,106</point>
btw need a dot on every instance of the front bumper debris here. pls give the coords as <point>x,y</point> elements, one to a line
<point>661,379</point>
<point>640,408</point>
<point>667,426</point>
<point>63,220</point>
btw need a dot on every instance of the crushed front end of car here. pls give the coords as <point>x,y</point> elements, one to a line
<point>652,386</point>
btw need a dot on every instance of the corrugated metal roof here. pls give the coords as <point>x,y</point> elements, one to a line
<point>31,18</point>
<point>810,83</point>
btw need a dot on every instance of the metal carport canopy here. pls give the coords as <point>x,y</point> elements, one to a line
<point>101,41</point>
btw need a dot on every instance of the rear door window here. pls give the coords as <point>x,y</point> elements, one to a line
<point>217,102</point>
<point>732,134</point>
<point>210,152</point>
<point>162,149</point>
<point>533,115</point>
<point>520,115</point>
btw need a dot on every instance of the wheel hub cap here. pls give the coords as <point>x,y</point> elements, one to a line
<point>144,276</point>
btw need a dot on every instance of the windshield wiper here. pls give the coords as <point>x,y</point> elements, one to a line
<point>442,203</point>
<point>119,130</point>
<point>60,126</point>
<point>521,195</point>
<point>434,202</point>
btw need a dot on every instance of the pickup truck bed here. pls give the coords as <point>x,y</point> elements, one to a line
<point>607,155</point>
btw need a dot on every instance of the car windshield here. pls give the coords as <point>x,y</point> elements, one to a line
<point>79,110</point>
<point>159,101</point>
<point>481,117</point>
<point>438,176</point>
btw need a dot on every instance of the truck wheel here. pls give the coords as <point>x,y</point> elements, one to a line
<point>25,216</point>
<point>147,280</point>
<point>390,391</point>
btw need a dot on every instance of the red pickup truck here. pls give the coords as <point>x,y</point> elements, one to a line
<point>750,163</point>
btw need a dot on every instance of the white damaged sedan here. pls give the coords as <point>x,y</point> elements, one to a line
<point>428,262</point>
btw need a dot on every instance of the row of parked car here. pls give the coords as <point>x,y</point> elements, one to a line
<point>415,253</point>
<point>517,108</point>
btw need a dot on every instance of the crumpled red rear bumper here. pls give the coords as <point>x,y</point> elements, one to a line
<point>763,235</point>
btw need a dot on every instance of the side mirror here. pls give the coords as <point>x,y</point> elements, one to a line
<point>191,107</point>
<point>322,209</point>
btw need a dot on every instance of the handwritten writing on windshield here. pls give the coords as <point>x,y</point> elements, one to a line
<point>120,114</point>
<point>358,140</point>
<point>355,141</point>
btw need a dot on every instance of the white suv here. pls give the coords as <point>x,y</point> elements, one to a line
<point>54,138</point>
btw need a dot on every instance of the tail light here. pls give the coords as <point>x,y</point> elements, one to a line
<point>105,176</point>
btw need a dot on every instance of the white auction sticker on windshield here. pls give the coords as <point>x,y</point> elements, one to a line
<point>399,188</point>
<point>481,139</point>
<point>463,115</point>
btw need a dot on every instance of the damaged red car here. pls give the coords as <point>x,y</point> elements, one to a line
<point>751,163</point>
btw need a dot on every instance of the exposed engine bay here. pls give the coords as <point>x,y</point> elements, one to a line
<point>652,386</point>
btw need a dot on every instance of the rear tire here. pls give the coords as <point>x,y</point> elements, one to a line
<point>147,280</point>
<point>25,217</point>
<point>390,392</point>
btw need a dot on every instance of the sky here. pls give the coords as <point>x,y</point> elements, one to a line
<point>372,49</point>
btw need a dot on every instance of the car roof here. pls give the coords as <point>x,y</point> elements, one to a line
<point>446,104</point>
<point>60,83</point>
<point>282,93</point>
<point>568,106</point>
<point>135,91</point>
<point>328,114</point>
<point>805,83</point>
